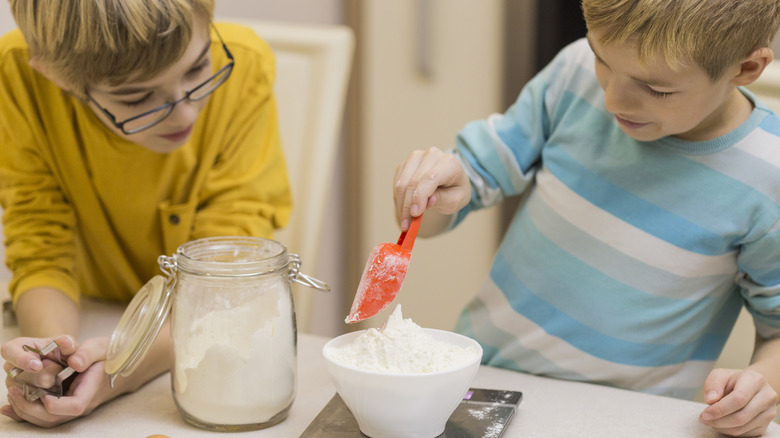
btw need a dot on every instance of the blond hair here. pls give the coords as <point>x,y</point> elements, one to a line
<point>713,34</point>
<point>86,42</point>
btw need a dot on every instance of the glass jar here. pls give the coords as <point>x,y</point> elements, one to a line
<point>232,327</point>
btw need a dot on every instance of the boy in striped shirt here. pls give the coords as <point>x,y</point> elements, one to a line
<point>652,209</point>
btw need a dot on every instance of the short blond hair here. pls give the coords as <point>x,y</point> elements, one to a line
<point>87,42</point>
<point>713,34</point>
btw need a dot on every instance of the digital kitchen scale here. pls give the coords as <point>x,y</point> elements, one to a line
<point>483,413</point>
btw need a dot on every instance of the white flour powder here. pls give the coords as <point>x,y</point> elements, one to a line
<point>402,347</point>
<point>235,353</point>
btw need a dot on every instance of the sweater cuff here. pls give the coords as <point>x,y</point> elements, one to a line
<point>50,278</point>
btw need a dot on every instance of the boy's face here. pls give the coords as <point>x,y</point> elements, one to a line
<point>133,98</point>
<point>651,100</point>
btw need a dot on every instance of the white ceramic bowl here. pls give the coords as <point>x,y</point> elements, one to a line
<point>402,405</point>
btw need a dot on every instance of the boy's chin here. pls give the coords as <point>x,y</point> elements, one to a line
<point>642,136</point>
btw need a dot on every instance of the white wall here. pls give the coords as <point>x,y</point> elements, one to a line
<point>298,11</point>
<point>6,20</point>
<point>776,46</point>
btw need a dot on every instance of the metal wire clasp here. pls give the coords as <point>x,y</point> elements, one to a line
<point>168,266</point>
<point>299,277</point>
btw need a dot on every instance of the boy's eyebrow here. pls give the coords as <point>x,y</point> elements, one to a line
<point>647,81</point>
<point>135,89</point>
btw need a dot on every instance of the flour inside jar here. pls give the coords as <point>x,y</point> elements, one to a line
<point>234,351</point>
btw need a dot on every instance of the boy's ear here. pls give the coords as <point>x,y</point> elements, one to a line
<point>751,67</point>
<point>41,68</point>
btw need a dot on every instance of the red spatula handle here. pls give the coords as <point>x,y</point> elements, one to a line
<point>406,240</point>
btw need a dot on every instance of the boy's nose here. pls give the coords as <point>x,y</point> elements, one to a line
<point>184,113</point>
<point>617,99</point>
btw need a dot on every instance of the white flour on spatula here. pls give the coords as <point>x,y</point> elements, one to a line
<point>402,347</point>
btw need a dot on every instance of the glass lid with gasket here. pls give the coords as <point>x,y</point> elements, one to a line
<point>138,327</point>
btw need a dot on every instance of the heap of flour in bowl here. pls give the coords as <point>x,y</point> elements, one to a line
<point>401,347</point>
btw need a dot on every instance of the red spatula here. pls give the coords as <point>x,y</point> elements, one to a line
<point>383,275</point>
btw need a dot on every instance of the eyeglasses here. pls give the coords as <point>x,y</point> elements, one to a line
<point>152,117</point>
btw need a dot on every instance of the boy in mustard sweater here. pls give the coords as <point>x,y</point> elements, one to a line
<point>126,130</point>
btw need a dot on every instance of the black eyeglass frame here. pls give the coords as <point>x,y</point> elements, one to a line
<point>170,105</point>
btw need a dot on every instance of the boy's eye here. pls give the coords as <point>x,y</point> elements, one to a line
<point>198,69</point>
<point>194,71</point>
<point>658,94</point>
<point>138,101</point>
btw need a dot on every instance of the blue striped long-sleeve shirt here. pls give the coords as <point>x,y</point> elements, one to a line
<point>629,261</point>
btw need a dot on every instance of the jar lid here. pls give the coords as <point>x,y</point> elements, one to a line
<point>138,328</point>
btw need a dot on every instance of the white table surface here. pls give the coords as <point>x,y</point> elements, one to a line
<point>550,408</point>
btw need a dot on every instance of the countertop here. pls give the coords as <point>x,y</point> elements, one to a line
<point>550,408</point>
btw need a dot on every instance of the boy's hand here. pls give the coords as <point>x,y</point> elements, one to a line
<point>429,179</point>
<point>87,391</point>
<point>742,403</point>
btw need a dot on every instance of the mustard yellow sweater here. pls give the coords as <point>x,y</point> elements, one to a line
<point>88,213</point>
